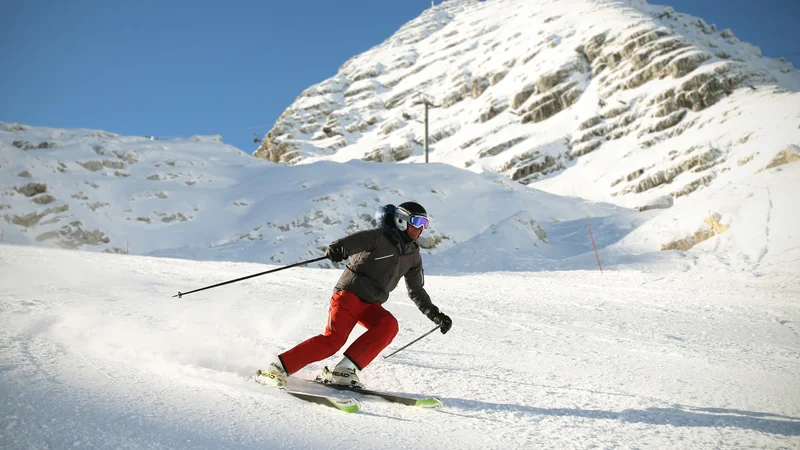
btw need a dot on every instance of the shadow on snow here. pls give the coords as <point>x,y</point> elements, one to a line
<point>675,416</point>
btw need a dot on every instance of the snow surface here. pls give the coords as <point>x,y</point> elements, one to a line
<point>96,353</point>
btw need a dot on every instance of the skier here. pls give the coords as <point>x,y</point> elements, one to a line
<point>380,257</point>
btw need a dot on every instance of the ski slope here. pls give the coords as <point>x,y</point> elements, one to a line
<point>96,353</point>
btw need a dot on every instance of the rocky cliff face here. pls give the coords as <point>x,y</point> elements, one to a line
<point>528,88</point>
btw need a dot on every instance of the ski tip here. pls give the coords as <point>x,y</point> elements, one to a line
<point>429,403</point>
<point>348,405</point>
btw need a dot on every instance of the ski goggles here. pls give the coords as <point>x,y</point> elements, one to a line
<point>415,220</point>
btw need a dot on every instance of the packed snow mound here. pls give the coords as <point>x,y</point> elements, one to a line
<point>198,198</point>
<point>636,94</point>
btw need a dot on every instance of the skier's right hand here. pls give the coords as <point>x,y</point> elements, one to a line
<point>336,253</point>
<point>444,321</point>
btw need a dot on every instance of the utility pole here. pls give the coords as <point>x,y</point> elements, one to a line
<point>425,100</point>
<point>426,132</point>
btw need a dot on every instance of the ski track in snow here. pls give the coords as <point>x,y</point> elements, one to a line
<point>96,353</point>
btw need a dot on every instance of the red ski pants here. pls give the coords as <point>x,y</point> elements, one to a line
<point>345,312</point>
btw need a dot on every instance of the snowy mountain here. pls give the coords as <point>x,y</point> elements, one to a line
<point>621,102</point>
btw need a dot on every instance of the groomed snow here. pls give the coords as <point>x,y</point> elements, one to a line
<point>96,353</point>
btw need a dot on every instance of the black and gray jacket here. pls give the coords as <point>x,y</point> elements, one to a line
<point>377,262</point>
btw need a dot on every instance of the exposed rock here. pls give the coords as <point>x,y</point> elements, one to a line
<point>553,102</point>
<point>370,72</point>
<point>614,112</point>
<point>359,126</point>
<point>530,166</point>
<point>396,99</point>
<point>43,199</point>
<point>338,143</point>
<point>391,125</point>
<point>498,77</point>
<point>115,164</point>
<point>477,86</point>
<point>666,108</point>
<point>666,176</point>
<point>584,149</point>
<point>497,149</point>
<point>92,165</point>
<point>96,205</point>
<point>143,219</point>
<point>73,236</point>
<point>790,155</point>
<point>634,175</point>
<point>597,131</point>
<point>442,133</point>
<point>31,219</point>
<point>361,87</point>
<point>24,174</point>
<point>664,202</point>
<point>23,145</point>
<point>522,96</point>
<point>130,157</point>
<point>746,160</point>
<point>669,122</point>
<point>456,96</point>
<point>31,189</point>
<point>173,217</point>
<point>553,79</point>
<point>691,187</point>
<point>594,46</point>
<point>14,127</point>
<point>712,228</point>
<point>592,121</point>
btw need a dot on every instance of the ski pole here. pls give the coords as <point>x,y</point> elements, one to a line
<point>181,294</point>
<point>415,340</point>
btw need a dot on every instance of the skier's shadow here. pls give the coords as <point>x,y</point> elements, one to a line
<point>678,416</point>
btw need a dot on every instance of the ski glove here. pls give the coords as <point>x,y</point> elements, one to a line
<point>336,253</point>
<point>443,320</point>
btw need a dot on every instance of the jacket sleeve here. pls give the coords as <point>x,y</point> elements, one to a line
<point>359,241</point>
<point>415,280</point>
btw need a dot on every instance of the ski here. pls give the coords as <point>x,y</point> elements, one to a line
<point>346,404</point>
<point>428,403</point>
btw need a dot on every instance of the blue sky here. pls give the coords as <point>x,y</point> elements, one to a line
<point>177,68</point>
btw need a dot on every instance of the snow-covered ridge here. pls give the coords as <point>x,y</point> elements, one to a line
<point>198,198</point>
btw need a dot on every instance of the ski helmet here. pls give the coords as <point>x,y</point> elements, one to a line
<point>411,213</point>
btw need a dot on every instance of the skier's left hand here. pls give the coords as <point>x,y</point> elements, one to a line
<point>444,321</point>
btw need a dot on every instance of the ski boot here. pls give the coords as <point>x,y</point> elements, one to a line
<point>274,376</point>
<point>343,376</point>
